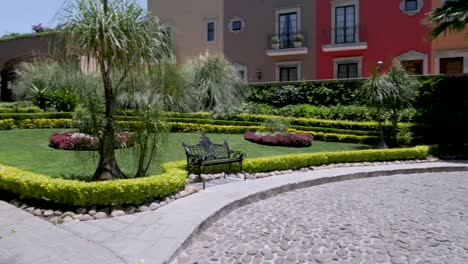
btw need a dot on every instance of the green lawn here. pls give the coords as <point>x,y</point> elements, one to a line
<point>28,150</point>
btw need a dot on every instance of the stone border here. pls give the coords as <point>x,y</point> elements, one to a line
<point>262,195</point>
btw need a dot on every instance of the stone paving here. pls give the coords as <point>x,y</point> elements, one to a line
<point>420,218</point>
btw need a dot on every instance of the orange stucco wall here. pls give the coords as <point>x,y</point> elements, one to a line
<point>447,41</point>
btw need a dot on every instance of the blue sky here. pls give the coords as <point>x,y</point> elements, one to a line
<point>19,15</point>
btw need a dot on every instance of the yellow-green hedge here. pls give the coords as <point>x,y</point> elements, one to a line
<point>7,124</point>
<point>76,193</point>
<point>296,161</point>
<point>137,191</point>
<point>45,123</point>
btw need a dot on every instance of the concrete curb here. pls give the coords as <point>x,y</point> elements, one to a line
<point>261,195</point>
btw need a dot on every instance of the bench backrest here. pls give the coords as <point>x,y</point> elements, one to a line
<point>208,152</point>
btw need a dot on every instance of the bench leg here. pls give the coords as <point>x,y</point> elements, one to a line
<point>242,171</point>
<point>200,177</point>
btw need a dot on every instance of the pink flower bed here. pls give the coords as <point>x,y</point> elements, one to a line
<point>281,139</point>
<point>80,141</point>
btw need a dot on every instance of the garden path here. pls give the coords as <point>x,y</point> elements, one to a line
<point>158,236</point>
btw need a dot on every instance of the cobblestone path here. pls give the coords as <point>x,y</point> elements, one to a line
<point>419,218</point>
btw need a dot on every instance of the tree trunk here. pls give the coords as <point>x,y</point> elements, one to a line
<point>394,118</point>
<point>108,168</point>
<point>382,144</point>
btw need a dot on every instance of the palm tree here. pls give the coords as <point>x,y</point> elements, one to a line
<point>375,92</point>
<point>402,92</point>
<point>113,36</point>
<point>452,17</point>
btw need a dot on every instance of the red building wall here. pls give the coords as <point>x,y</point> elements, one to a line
<point>388,33</point>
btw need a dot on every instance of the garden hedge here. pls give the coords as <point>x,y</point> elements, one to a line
<point>137,191</point>
<point>7,124</point>
<point>76,193</point>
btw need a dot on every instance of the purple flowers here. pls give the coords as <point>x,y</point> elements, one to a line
<point>80,141</point>
<point>280,139</point>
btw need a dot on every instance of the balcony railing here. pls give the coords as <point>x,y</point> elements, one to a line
<point>286,41</point>
<point>344,36</point>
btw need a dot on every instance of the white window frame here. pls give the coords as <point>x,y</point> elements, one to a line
<point>279,12</point>
<point>411,12</point>
<point>235,19</point>
<point>337,61</point>
<point>338,3</point>
<point>240,67</point>
<point>205,29</point>
<point>297,64</point>
<point>451,54</point>
<point>414,55</point>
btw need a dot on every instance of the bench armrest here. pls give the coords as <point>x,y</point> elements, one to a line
<point>237,154</point>
<point>194,159</point>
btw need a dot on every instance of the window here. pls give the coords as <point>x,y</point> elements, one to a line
<point>242,70</point>
<point>210,31</point>
<point>288,28</point>
<point>347,70</point>
<point>413,66</point>
<point>451,65</point>
<point>348,67</point>
<point>236,25</point>
<point>411,5</point>
<point>288,73</point>
<point>345,24</point>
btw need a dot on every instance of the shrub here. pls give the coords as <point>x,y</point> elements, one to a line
<point>140,190</point>
<point>297,161</point>
<point>280,139</point>
<point>314,92</point>
<point>45,123</point>
<point>32,109</point>
<point>80,141</point>
<point>7,124</point>
<point>277,125</point>
<point>22,116</point>
<point>86,194</point>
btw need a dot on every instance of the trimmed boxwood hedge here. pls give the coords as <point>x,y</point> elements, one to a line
<point>76,193</point>
<point>140,190</point>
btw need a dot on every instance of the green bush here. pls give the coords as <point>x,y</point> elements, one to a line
<point>31,109</point>
<point>7,124</point>
<point>45,123</point>
<point>22,116</point>
<point>137,191</point>
<point>313,92</point>
<point>297,161</point>
<point>76,193</point>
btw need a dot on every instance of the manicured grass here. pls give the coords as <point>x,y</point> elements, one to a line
<point>28,150</point>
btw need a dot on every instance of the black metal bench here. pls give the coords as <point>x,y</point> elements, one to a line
<point>207,153</point>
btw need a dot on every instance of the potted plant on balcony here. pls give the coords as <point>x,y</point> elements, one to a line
<point>275,42</point>
<point>298,40</point>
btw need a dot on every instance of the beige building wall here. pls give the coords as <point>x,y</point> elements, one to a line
<point>249,48</point>
<point>188,21</point>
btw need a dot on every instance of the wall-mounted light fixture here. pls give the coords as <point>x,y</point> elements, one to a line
<point>259,74</point>
<point>379,65</point>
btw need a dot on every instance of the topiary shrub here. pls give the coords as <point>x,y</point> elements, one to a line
<point>296,140</point>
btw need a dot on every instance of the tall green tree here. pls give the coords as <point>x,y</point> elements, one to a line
<point>451,17</point>
<point>113,37</point>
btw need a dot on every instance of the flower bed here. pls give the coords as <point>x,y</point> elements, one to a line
<point>297,140</point>
<point>80,141</point>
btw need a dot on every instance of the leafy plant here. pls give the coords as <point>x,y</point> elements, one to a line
<point>298,38</point>
<point>277,125</point>
<point>275,40</point>
<point>214,83</point>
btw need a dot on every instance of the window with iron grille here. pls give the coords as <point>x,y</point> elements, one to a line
<point>347,70</point>
<point>345,24</point>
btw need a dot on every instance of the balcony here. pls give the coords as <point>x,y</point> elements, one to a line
<point>344,38</point>
<point>287,44</point>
